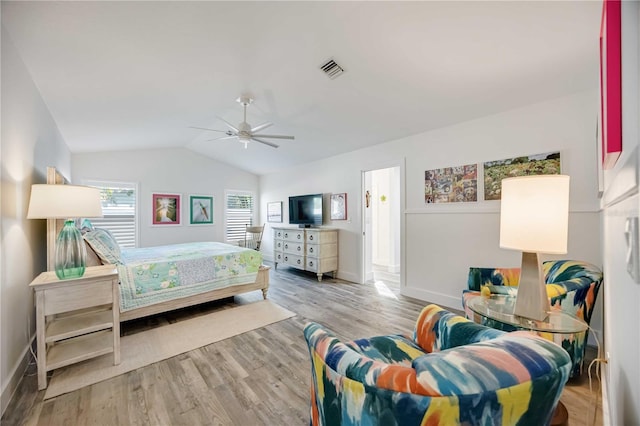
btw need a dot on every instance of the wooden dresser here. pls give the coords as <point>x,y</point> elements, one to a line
<point>309,249</point>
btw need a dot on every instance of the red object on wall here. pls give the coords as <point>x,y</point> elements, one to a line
<point>611,82</point>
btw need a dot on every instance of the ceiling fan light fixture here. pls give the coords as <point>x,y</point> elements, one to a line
<point>244,100</point>
<point>244,132</point>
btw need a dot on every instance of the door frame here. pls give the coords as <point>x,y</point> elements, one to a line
<point>400,163</point>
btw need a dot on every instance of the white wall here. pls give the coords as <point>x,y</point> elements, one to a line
<point>440,242</point>
<point>621,202</point>
<point>30,142</point>
<point>168,171</point>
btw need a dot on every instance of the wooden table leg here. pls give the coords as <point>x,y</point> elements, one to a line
<point>41,344</point>
<point>560,416</point>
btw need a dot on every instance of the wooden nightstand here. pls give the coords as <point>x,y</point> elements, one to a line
<point>76,319</point>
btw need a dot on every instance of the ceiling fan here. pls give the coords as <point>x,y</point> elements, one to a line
<point>243,131</point>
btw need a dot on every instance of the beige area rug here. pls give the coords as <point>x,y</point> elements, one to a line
<point>157,344</point>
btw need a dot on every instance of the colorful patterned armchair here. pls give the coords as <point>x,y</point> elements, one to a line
<point>572,287</point>
<point>451,371</point>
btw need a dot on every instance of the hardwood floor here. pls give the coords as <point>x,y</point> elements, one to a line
<point>257,378</point>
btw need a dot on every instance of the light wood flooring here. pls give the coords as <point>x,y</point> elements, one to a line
<point>257,378</point>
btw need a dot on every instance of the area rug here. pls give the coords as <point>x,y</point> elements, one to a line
<point>164,342</point>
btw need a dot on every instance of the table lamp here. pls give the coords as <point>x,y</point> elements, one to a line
<point>66,202</point>
<point>534,218</point>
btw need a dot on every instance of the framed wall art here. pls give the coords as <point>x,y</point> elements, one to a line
<point>274,212</point>
<point>451,184</point>
<point>611,82</point>
<point>339,206</point>
<point>200,210</point>
<point>166,209</point>
<point>538,164</point>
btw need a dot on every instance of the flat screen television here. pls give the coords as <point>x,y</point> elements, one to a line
<point>305,210</point>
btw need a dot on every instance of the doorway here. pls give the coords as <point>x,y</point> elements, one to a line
<point>381,233</point>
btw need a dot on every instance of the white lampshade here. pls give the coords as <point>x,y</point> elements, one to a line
<point>63,202</point>
<point>534,214</point>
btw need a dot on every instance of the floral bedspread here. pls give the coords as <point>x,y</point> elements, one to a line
<point>155,274</point>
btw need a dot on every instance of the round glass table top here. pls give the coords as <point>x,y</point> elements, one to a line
<point>500,308</point>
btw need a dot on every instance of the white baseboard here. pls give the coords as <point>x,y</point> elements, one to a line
<point>348,276</point>
<point>15,377</point>
<point>440,299</point>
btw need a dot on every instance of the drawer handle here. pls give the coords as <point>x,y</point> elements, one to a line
<point>286,235</point>
<point>310,249</point>
<point>298,236</point>
<point>298,248</point>
<point>311,237</point>
<point>298,262</point>
<point>286,246</point>
<point>311,263</point>
<point>286,258</point>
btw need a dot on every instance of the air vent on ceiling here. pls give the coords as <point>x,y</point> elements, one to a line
<point>332,69</point>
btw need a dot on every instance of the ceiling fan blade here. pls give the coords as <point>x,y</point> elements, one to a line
<point>261,127</point>
<point>271,144</point>
<point>234,128</point>
<point>274,136</point>
<point>204,128</point>
<point>222,137</point>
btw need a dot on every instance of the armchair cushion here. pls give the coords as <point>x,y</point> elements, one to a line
<point>460,373</point>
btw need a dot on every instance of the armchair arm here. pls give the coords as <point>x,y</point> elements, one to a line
<point>438,329</point>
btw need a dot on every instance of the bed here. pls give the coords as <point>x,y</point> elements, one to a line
<point>164,278</point>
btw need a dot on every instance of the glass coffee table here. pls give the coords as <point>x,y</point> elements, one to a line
<point>499,308</point>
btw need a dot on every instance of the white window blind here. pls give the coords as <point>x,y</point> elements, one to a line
<point>238,214</point>
<point>119,211</point>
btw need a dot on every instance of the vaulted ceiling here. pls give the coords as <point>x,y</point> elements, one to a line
<point>135,75</point>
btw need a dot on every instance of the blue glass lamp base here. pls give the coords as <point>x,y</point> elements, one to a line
<point>70,257</point>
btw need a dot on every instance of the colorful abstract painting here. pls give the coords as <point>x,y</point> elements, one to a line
<point>451,184</point>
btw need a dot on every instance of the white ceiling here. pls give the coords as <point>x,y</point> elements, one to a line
<point>136,75</point>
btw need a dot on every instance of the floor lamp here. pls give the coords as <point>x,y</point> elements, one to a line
<point>66,202</point>
<point>534,218</point>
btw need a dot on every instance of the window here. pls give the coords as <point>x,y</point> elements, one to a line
<point>118,210</point>
<point>238,214</point>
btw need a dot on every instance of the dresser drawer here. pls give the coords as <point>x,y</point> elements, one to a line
<point>278,245</point>
<point>293,260</point>
<point>278,256</point>
<point>322,250</point>
<point>317,236</point>
<point>63,299</point>
<point>321,265</point>
<point>293,235</point>
<point>293,248</point>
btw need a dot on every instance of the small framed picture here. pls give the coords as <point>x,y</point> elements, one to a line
<point>339,206</point>
<point>166,209</point>
<point>274,211</point>
<point>200,210</point>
